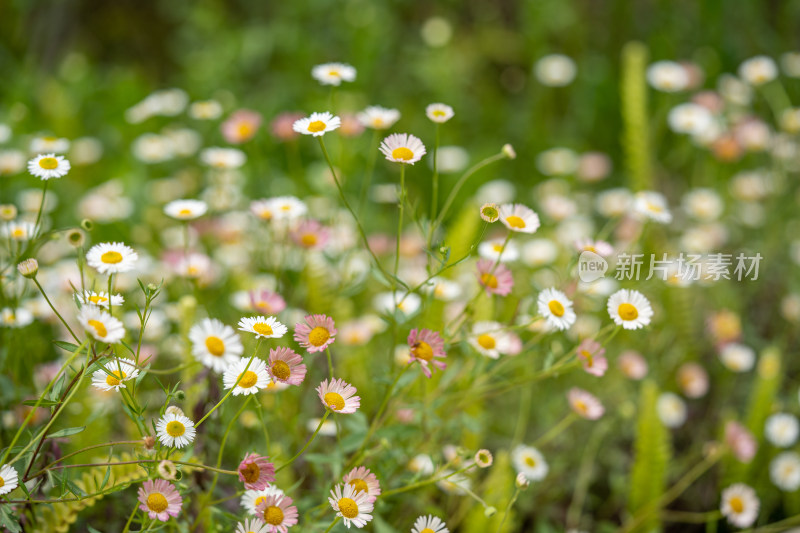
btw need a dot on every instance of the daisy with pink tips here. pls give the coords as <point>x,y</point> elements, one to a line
<point>310,235</point>
<point>241,126</point>
<point>592,356</point>
<point>494,277</point>
<point>286,366</point>
<point>361,479</point>
<point>256,472</point>
<point>601,248</point>
<point>338,396</point>
<point>277,512</point>
<point>351,505</point>
<point>267,302</point>
<point>160,499</point>
<point>585,404</point>
<point>316,333</point>
<point>427,347</point>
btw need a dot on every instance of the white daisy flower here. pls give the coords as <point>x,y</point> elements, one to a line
<point>439,113</point>
<point>782,429</point>
<point>43,144</point>
<point>248,381</point>
<point>223,157</point>
<point>100,299</point>
<point>556,308</point>
<point>378,118</point>
<point>668,76</point>
<point>692,119</point>
<point>429,524</point>
<point>15,318</point>
<point>111,257</point>
<point>317,124</point>
<point>703,204</point>
<point>186,209</point>
<point>529,462</point>
<point>175,430</point>
<point>101,325</point>
<point>491,250</point>
<point>214,344</point>
<point>490,339</point>
<point>737,357</point>
<point>758,70</point>
<point>555,70</point>
<point>18,231</point>
<point>263,327</point>
<point>279,208</point>
<point>740,505</point>
<point>9,479</point>
<point>652,205</point>
<point>351,504</point>
<point>333,73</point>
<point>116,373</point>
<point>629,309</point>
<point>518,217</point>
<point>205,110</point>
<point>671,410</point>
<point>784,471</point>
<point>402,148</point>
<point>390,302</point>
<point>48,166</point>
<point>253,498</point>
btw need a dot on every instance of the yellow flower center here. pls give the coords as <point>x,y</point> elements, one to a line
<point>273,515</point>
<point>244,129</point>
<point>402,153</point>
<point>359,485</point>
<point>250,473</point>
<point>263,329</point>
<point>319,336</point>
<point>515,222</point>
<point>215,346</point>
<point>530,461</point>
<point>736,504</point>
<point>334,400</point>
<point>308,239</point>
<point>438,113</point>
<point>156,502</point>
<point>116,377</point>
<point>2,482</point>
<point>111,257</point>
<point>627,312</point>
<point>333,72</point>
<point>422,350</point>
<point>581,406</point>
<point>259,500</point>
<point>248,379</point>
<point>497,248</point>
<point>316,126</point>
<point>556,308</point>
<point>175,429</point>
<point>18,233</point>
<point>48,163</point>
<point>99,328</point>
<point>490,212</point>
<point>487,341</point>
<point>348,508</point>
<point>588,357</point>
<point>489,280</point>
<point>184,212</point>
<point>427,530</point>
<point>281,370</point>
<point>97,299</point>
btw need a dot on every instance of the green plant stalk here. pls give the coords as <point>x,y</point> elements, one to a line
<point>36,227</point>
<point>255,352</point>
<point>335,521</point>
<point>61,318</point>
<point>82,450</point>
<point>330,360</point>
<point>310,440</point>
<point>556,430</point>
<point>423,483</point>
<point>636,134</point>
<point>399,222</point>
<point>365,185</point>
<point>434,186</point>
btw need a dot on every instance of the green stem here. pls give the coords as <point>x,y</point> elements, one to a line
<point>86,449</point>
<point>41,209</point>
<point>258,344</point>
<point>400,220</point>
<point>330,360</point>
<point>508,508</point>
<point>373,156</point>
<point>310,440</point>
<point>335,521</point>
<point>555,430</point>
<point>61,318</point>
<point>423,483</point>
<point>224,440</point>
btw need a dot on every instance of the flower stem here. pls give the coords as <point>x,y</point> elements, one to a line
<point>61,318</point>
<point>41,209</point>
<point>298,454</point>
<point>335,521</point>
<point>258,344</point>
<point>400,220</point>
<point>555,430</point>
<point>330,360</point>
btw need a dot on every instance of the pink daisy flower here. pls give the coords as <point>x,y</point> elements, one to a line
<point>278,512</point>
<point>310,234</point>
<point>585,404</point>
<point>316,334</point>
<point>601,248</point>
<point>591,354</point>
<point>361,479</point>
<point>338,396</point>
<point>241,126</point>
<point>426,347</point>
<point>267,302</point>
<point>286,366</point>
<point>256,472</point>
<point>741,442</point>
<point>494,279</point>
<point>160,499</point>
<point>353,506</point>
<point>633,365</point>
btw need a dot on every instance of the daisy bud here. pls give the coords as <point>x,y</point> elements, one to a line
<point>509,151</point>
<point>180,395</point>
<point>87,224</point>
<point>28,268</point>
<point>149,442</point>
<point>489,511</point>
<point>483,458</point>
<point>76,237</point>
<point>174,409</point>
<point>489,213</point>
<point>8,212</point>
<point>167,470</point>
<point>522,482</point>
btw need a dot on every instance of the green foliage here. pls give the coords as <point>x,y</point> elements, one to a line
<point>635,141</point>
<point>651,454</point>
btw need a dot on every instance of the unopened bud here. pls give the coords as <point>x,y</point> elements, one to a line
<point>489,511</point>
<point>509,152</point>
<point>87,224</point>
<point>28,268</point>
<point>522,482</point>
<point>174,409</point>
<point>149,442</point>
<point>76,237</point>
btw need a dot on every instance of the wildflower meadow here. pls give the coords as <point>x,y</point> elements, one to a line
<point>480,267</point>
